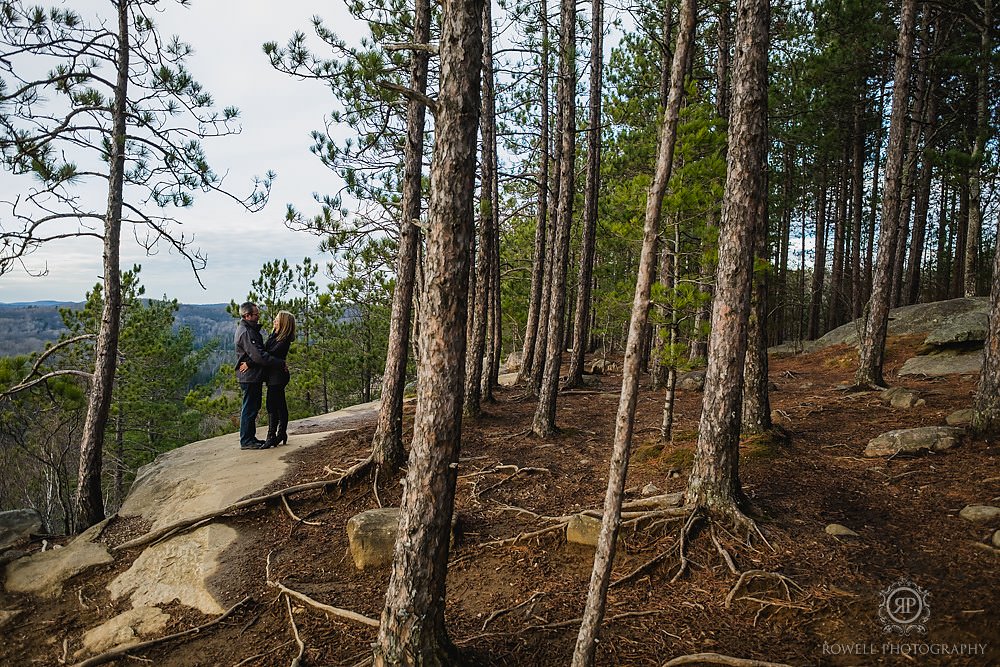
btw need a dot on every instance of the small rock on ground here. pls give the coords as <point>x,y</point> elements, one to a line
<point>123,630</point>
<point>960,417</point>
<point>979,513</point>
<point>838,530</point>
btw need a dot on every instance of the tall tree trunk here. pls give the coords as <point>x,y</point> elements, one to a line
<point>495,327</point>
<point>819,263</point>
<point>670,279</point>
<point>412,630</point>
<point>699,338</point>
<point>857,214</point>
<point>544,422</point>
<point>487,222</point>
<point>835,314</point>
<point>89,499</point>
<point>986,407</point>
<point>756,417</point>
<point>588,241</point>
<point>872,340</point>
<point>538,265</point>
<point>978,145</point>
<point>873,217</point>
<point>387,443</point>
<point>600,577</point>
<point>714,483</point>
<point>961,238</point>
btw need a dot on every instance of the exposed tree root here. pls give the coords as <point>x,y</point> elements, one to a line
<point>288,509</point>
<point>353,473</point>
<point>760,574</point>
<point>302,597</point>
<point>245,661</point>
<point>297,660</point>
<point>719,659</point>
<point>500,612</point>
<point>517,471</point>
<point>119,652</point>
<point>722,552</point>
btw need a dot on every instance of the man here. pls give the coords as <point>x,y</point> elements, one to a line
<point>250,349</point>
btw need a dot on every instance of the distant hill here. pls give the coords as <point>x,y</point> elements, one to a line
<point>26,327</point>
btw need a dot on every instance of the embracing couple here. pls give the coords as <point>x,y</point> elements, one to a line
<point>258,363</point>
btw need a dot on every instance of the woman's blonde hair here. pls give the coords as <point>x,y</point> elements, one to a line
<point>284,325</point>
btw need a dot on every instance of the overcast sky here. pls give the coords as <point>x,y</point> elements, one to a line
<point>277,112</point>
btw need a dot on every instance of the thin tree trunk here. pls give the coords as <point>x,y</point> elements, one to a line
<point>670,381</point>
<point>873,220</point>
<point>588,242</point>
<point>714,483</point>
<point>487,221</point>
<point>872,341</point>
<point>538,265</point>
<point>756,418</point>
<point>600,579</point>
<point>412,630</point>
<point>89,499</point>
<point>544,422</point>
<point>978,145</point>
<point>819,263</point>
<point>857,214</point>
<point>387,443</point>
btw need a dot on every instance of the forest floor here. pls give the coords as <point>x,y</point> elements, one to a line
<point>518,603</point>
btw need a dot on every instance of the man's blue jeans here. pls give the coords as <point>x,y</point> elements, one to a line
<point>252,392</point>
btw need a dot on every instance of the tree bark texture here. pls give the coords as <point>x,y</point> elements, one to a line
<point>714,482</point>
<point>986,408</point>
<point>872,340</point>
<point>600,579</point>
<point>756,399</point>
<point>588,241</point>
<point>412,630</point>
<point>89,499</point>
<point>538,265</point>
<point>484,255</point>
<point>978,146</point>
<point>819,263</point>
<point>387,443</point>
<point>544,422</point>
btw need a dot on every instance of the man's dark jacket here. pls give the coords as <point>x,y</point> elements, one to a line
<point>250,348</point>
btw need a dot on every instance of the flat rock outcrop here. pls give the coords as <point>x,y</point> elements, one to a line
<point>124,630</point>
<point>44,573</point>
<point>177,569</point>
<point>915,440</point>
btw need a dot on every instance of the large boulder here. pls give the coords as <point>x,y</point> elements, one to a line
<point>583,529</point>
<point>945,362</point>
<point>372,536</point>
<point>965,329</point>
<point>17,525</point>
<point>921,318</point>
<point>915,440</point>
<point>513,363</point>
<point>692,381</point>
<point>45,572</point>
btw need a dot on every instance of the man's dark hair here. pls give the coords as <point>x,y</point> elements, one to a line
<point>247,307</point>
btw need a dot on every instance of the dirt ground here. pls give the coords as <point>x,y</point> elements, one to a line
<point>516,604</point>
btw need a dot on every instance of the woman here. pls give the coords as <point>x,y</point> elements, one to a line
<point>277,345</point>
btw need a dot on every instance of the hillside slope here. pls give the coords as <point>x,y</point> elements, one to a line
<point>514,601</point>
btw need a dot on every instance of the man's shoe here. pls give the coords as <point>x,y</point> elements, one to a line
<point>256,444</point>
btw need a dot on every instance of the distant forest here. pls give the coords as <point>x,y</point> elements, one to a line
<point>29,326</point>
